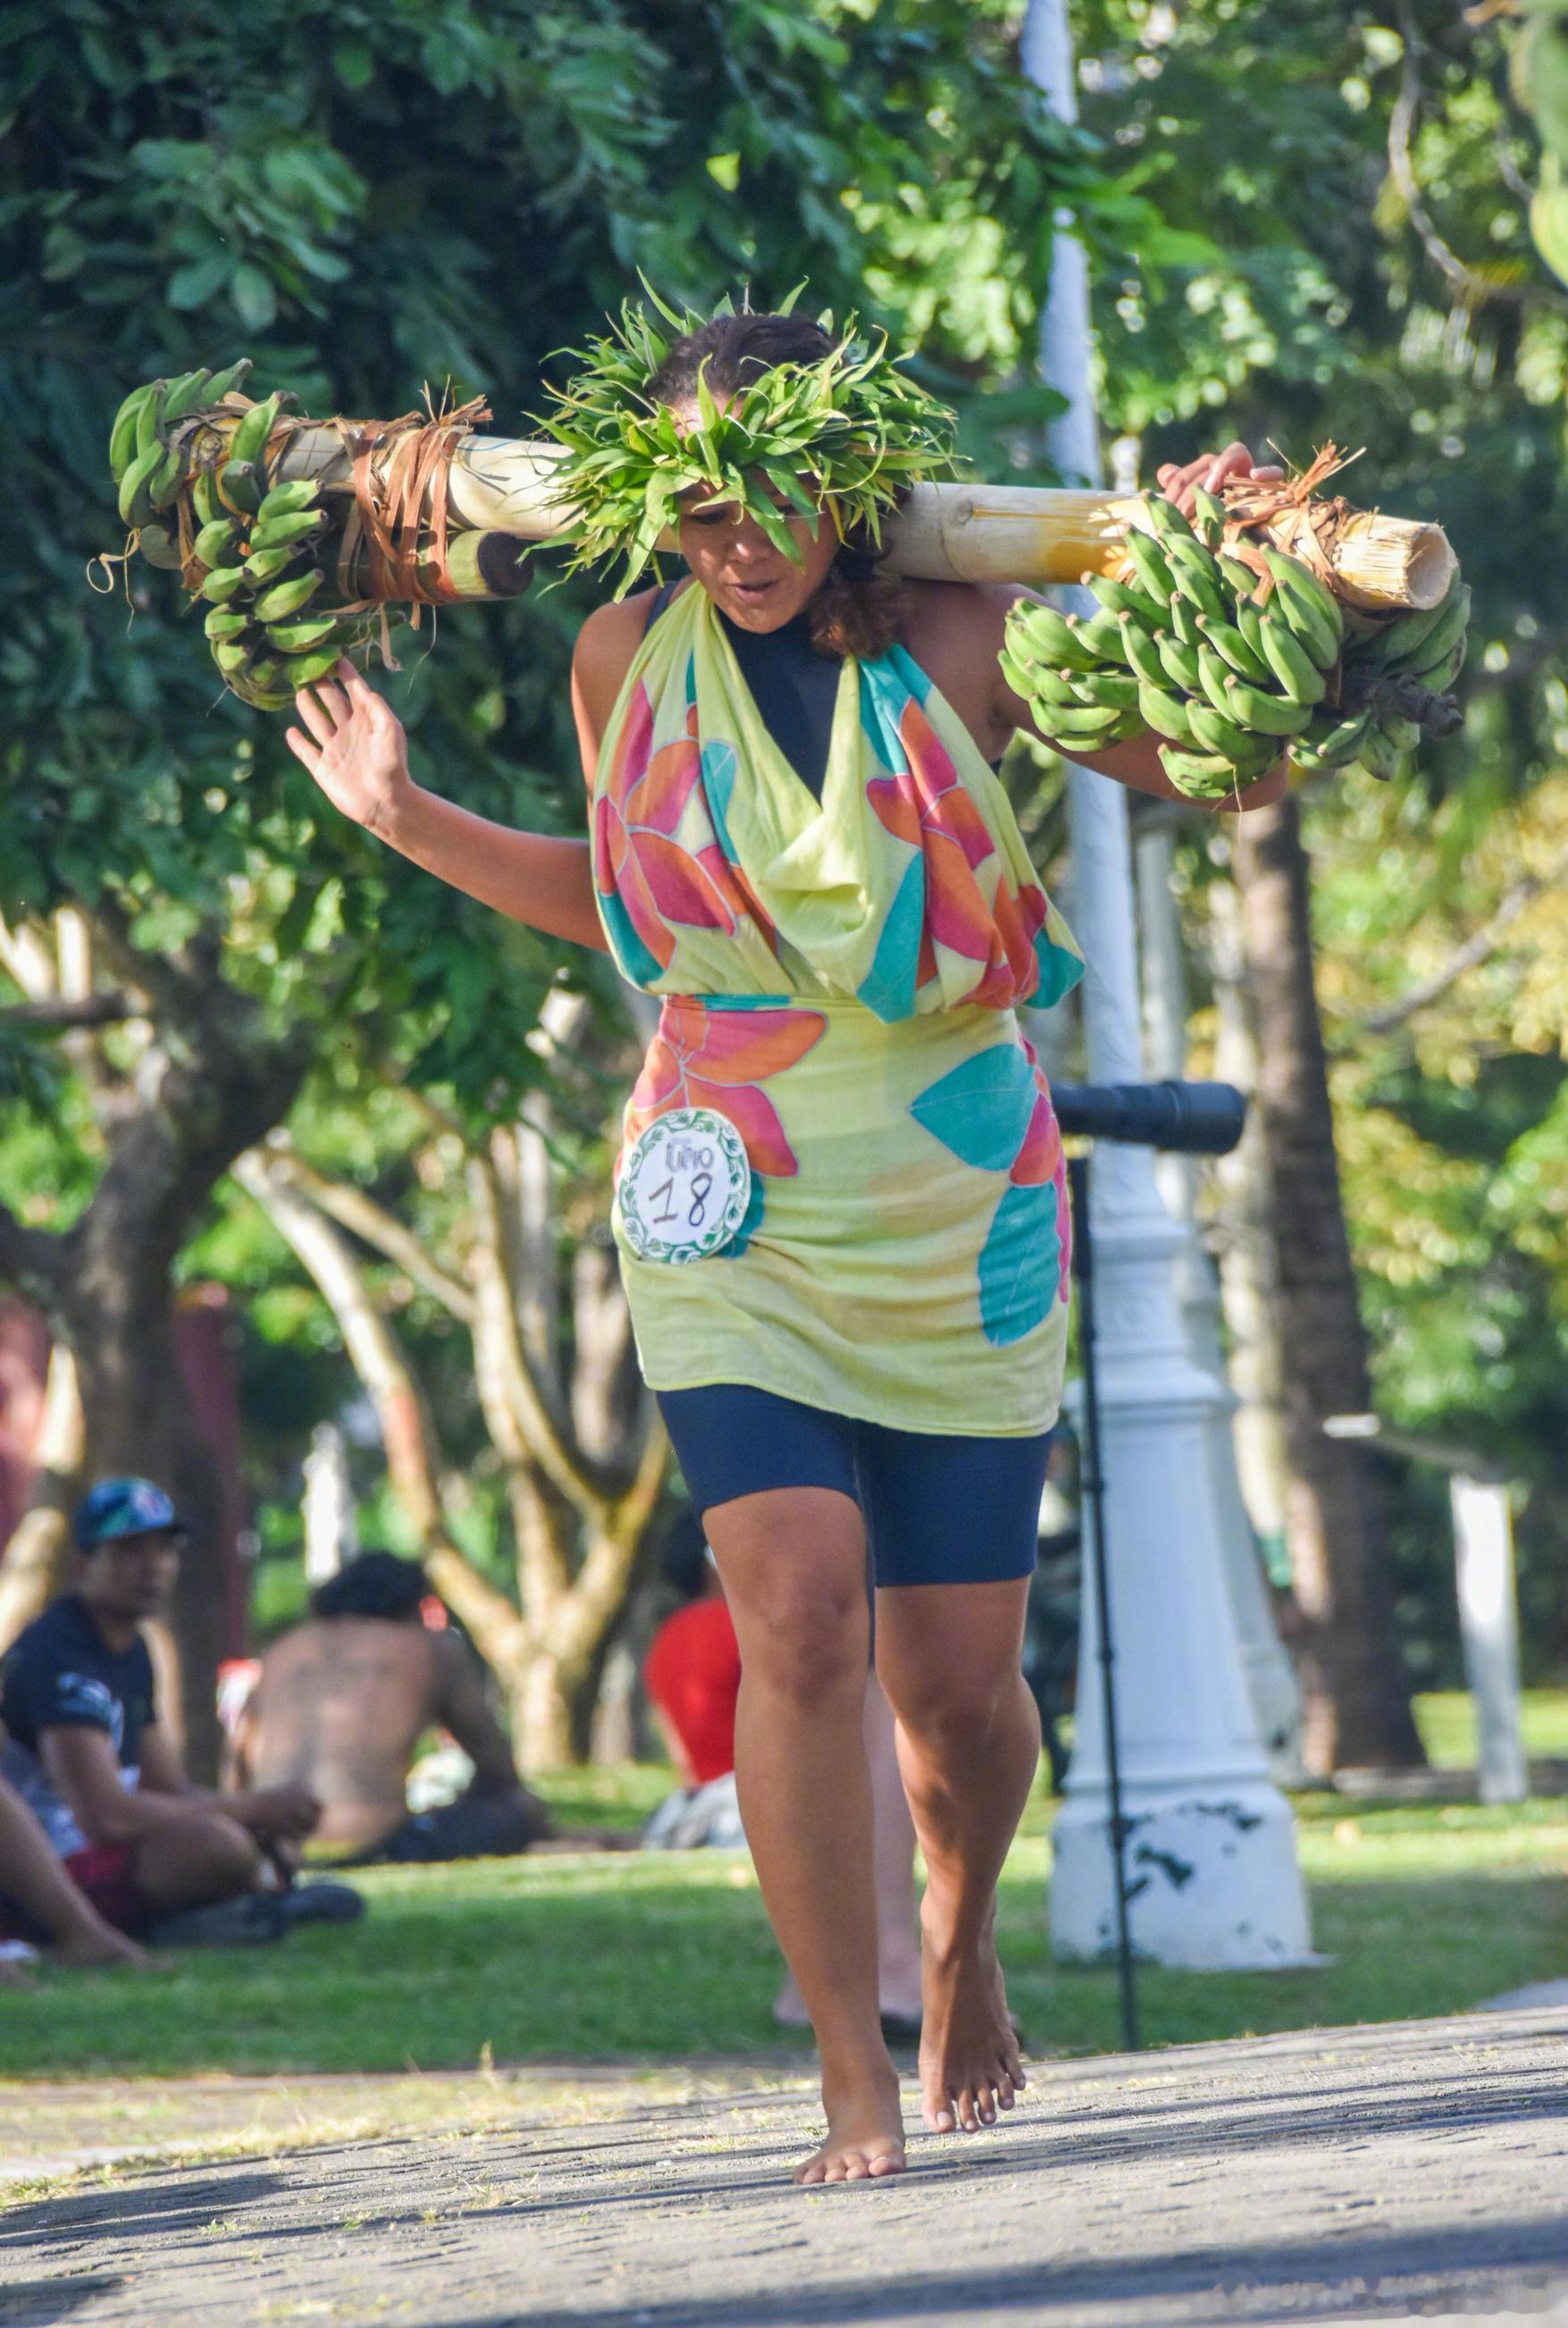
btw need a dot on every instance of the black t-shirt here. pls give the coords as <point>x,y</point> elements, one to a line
<point>61,1674</point>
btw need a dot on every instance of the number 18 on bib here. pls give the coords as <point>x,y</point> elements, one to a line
<point>685,1185</point>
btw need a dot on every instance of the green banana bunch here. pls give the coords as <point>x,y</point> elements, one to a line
<point>1179,649</point>
<point>1231,663</point>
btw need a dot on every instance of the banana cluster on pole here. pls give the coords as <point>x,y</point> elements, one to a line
<point>1231,652</point>
<point>191,458</point>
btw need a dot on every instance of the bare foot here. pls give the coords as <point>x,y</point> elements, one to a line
<point>865,2135</point>
<point>969,2050</point>
<point>104,1946</point>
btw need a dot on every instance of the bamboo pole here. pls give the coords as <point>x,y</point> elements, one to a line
<point>947,532</point>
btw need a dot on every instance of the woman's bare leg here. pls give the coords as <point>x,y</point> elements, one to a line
<point>793,1564</point>
<point>969,1741</point>
<point>893,1860</point>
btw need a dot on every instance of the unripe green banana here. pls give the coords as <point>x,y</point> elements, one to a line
<point>1168,523</point>
<point>1290,661</point>
<point>217,544</point>
<point>1140,653</point>
<point>1264,714</point>
<point>1214,733</point>
<point>223,584</point>
<point>122,443</point>
<point>1378,756</point>
<point>288,499</point>
<point>239,485</point>
<point>1084,724</point>
<point>286,598</point>
<point>272,533</point>
<point>305,669</point>
<point>1336,741</point>
<point>186,394</point>
<point>1250,624</point>
<point>1231,646</point>
<point>205,505</point>
<point>1208,517</point>
<point>158,547</point>
<point>1116,690</point>
<point>1197,577</point>
<point>227,622</point>
<point>1437,677</point>
<point>1399,640</point>
<point>1299,582</point>
<point>1236,575</point>
<point>1308,609</point>
<point>298,637</point>
<point>148,417</point>
<point>164,484</point>
<point>135,503</point>
<point>1213,671</point>
<point>1167,715</point>
<point>269,673</point>
<point>233,654</point>
<point>1444,634</point>
<point>1047,632</point>
<point>1036,683</point>
<point>1183,621</point>
<point>1201,775</point>
<point>249,442</point>
<point>265,566</point>
<point>1403,734</point>
<point>1100,635</point>
<point>223,382</point>
<point>1122,598</point>
<point>1179,663</point>
<point>1151,564</point>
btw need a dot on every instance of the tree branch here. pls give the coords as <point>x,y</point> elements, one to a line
<point>413,1462</point>
<point>95,1011</point>
<point>1476,950</point>
<point>360,1214</point>
<point>1469,286</point>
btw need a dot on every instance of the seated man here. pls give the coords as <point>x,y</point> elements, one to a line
<point>342,1700</point>
<point>85,1750</point>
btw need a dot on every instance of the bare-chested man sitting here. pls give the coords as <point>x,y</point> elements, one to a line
<point>342,1704</point>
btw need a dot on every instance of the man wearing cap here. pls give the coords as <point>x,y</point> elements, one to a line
<point>86,1749</point>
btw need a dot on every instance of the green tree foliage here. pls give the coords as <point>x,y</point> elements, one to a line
<point>1364,177</point>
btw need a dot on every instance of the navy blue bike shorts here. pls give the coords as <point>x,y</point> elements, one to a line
<point>939,1508</point>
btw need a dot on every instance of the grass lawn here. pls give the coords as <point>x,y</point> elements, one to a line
<point>1423,1908</point>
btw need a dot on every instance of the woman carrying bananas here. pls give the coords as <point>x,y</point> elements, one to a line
<point>840,1202</point>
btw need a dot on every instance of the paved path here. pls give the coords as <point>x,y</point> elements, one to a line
<point>1373,2173</point>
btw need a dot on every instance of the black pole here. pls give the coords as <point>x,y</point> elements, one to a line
<point>1092,1488</point>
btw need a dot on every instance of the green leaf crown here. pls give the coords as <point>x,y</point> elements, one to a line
<point>846,433</point>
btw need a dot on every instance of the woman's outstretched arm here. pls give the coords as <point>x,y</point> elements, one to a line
<point>355,746</point>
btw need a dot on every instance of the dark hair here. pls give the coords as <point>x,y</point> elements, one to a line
<point>373,1584</point>
<point>859,611</point>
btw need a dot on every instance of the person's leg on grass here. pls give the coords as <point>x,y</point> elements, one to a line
<point>33,1878</point>
<point>195,1862</point>
<point>893,1857</point>
<point>792,1562</point>
<point>969,1741</point>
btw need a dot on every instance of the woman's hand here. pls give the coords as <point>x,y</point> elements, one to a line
<point>356,749</point>
<point>1211,471</point>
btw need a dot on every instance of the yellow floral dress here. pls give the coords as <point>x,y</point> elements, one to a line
<point>838,979</point>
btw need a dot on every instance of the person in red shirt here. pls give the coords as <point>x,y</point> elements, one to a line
<point>692,1676</point>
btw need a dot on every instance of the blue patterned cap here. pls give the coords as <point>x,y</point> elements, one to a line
<point>117,1508</point>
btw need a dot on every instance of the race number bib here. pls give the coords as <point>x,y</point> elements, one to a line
<point>685,1185</point>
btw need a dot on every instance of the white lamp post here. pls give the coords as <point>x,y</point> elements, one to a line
<point>1211,1849</point>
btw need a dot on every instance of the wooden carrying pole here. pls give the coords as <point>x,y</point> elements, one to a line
<point>945,534</point>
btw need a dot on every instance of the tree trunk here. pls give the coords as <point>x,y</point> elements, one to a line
<point>1357,1707</point>
<point>33,1568</point>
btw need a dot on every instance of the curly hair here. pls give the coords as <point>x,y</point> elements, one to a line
<point>859,610</point>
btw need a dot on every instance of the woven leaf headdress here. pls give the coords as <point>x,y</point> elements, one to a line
<point>846,431</point>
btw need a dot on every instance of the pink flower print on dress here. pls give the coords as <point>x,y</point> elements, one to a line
<point>719,1059</point>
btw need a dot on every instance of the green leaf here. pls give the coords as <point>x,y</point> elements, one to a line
<point>255,300</point>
